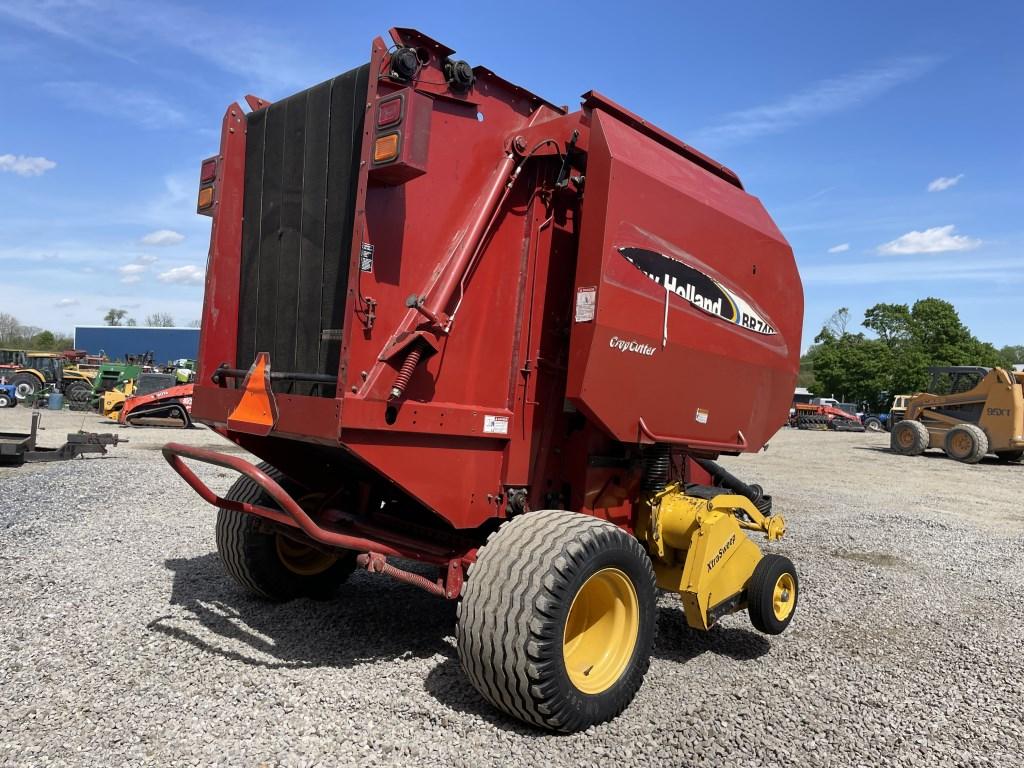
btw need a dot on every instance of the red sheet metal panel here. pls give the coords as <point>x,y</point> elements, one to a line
<point>458,476</point>
<point>695,300</point>
<point>218,335</point>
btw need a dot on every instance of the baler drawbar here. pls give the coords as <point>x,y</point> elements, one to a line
<point>463,326</point>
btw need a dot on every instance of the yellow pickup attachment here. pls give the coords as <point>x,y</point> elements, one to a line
<point>699,549</point>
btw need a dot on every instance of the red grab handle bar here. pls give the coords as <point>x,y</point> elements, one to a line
<point>712,445</point>
<point>292,513</point>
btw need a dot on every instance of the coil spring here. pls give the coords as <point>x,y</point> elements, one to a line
<point>657,465</point>
<point>406,371</point>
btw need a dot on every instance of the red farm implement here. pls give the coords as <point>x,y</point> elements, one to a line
<point>464,326</point>
<point>823,417</point>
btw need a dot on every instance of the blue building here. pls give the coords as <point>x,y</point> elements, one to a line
<point>119,341</point>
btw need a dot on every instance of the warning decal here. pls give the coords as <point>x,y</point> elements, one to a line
<point>496,425</point>
<point>586,304</point>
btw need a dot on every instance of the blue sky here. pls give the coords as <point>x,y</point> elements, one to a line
<point>885,138</point>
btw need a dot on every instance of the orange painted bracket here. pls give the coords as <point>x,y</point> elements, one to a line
<point>256,412</point>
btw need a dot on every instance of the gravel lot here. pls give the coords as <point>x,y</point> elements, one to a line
<point>123,643</point>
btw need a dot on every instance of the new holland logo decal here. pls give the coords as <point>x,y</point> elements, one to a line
<point>696,288</point>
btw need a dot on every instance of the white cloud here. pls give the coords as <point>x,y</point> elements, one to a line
<point>943,183</point>
<point>823,98</point>
<point>146,258</point>
<point>66,303</point>
<point>163,237</point>
<point>131,273</point>
<point>26,166</point>
<point>934,240</point>
<point>186,275</point>
<point>841,248</point>
<point>140,107</point>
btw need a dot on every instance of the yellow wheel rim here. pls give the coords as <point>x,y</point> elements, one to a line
<point>302,559</point>
<point>601,631</point>
<point>905,438</point>
<point>961,444</point>
<point>784,596</point>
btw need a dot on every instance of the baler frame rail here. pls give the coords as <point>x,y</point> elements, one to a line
<point>372,552</point>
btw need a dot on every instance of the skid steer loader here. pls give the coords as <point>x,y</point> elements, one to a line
<point>980,411</point>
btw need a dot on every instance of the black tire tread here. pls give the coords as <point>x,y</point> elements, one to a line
<point>77,392</point>
<point>762,582</point>
<point>980,442</point>
<point>27,378</point>
<point>231,529</point>
<point>921,438</point>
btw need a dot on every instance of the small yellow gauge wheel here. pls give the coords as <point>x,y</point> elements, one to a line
<point>772,594</point>
<point>784,596</point>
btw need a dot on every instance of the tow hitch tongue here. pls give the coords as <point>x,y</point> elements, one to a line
<point>19,447</point>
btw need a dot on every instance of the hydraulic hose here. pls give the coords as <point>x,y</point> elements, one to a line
<point>727,479</point>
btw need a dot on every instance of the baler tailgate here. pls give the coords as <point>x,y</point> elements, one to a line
<point>302,160</point>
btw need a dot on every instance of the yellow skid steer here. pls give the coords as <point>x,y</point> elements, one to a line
<point>980,412</point>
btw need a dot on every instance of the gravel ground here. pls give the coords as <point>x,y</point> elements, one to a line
<point>124,643</point>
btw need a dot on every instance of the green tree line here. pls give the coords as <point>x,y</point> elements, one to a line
<point>14,335</point>
<point>117,317</point>
<point>907,341</point>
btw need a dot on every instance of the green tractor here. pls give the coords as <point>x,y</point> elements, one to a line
<point>110,376</point>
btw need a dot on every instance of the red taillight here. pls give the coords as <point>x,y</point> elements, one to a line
<point>207,182</point>
<point>208,172</point>
<point>389,112</point>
